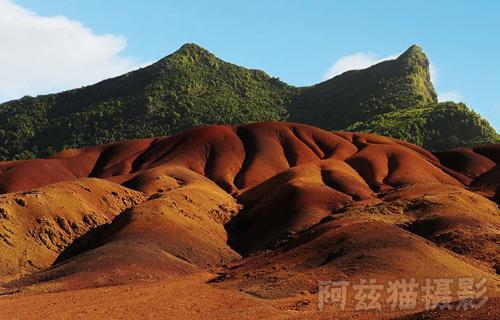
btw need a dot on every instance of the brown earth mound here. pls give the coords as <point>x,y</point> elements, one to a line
<point>255,214</point>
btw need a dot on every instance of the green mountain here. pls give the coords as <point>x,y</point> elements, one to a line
<point>394,98</point>
<point>192,87</point>
<point>188,88</point>
<point>359,95</point>
<point>436,126</point>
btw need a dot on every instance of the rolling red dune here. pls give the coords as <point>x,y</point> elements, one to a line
<point>243,221</point>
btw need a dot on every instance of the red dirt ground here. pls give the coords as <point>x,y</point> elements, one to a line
<point>243,221</point>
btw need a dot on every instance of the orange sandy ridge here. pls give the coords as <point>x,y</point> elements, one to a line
<point>251,221</point>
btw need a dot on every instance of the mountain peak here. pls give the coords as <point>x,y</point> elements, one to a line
<point>417,67</point>
<point>191,49</point>
<point>414,49</point>
<point>359,95</point>
<point>187,53</point>
<point>414,55</point>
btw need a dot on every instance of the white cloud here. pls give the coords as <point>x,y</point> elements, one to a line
<point>453,95</point>
<point>433,71</point>
<point>356,61</point>
<point>48,54</point>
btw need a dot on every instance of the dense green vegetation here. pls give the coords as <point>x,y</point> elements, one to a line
<point>188,88</point>
<point>192,87</point>
<point>358,95</point>
<point>436,126</point>
<point>394,98</point>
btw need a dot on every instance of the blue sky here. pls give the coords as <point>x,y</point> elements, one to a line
<point>297,41</point>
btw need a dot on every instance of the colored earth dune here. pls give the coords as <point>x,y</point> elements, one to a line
<point>242,222</point>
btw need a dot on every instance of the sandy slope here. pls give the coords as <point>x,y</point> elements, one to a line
<point>242,222</point>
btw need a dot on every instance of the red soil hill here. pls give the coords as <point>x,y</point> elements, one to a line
<point>271,207</point>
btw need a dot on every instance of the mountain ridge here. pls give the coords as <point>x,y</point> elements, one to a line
<point>192,87</point>
<point>386,86</point>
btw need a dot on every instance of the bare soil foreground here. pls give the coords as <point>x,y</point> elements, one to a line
<point>268,220</point>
